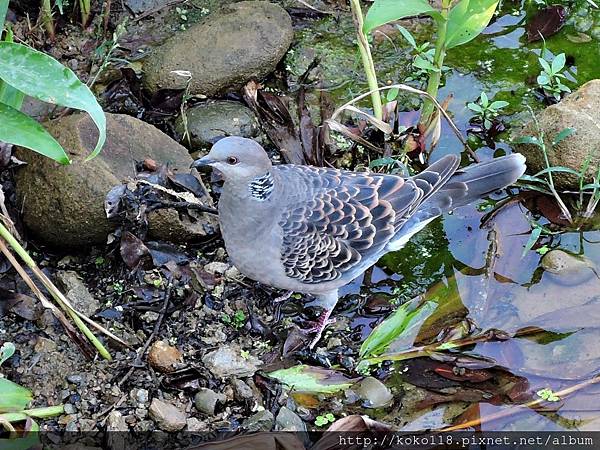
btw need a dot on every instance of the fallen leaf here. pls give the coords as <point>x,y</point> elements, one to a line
<point>546,22</point>
<point>304,378</point>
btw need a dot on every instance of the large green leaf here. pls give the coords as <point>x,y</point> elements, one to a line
<point>20,129</point>
<point>8,94</point>
<point>41,76</point>
<point>13,397</point>
<point>467,19</point>
<point>3,11</point>
<point>399,328</point>
<point>385,11</point>
<point>304,378</point>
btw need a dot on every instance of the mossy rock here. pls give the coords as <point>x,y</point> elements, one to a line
<point>64,205</point>
<point>237,43</point>
<point>581,111</point>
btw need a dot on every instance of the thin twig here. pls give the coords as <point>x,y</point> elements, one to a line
<point>83,344</point>
<point>315,9</point>
<point>404,87</point>
<point>521,408</point>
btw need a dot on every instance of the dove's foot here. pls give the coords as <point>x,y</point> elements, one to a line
<point>319,326</point>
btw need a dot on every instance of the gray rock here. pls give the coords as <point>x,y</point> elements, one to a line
<point>64,205</point>
<point>581,111</point>
<point>239,42</point>
<point>195,425</point>
<point>287,420</point>
<point>208,122</point>
<point>206,401</point>
<point>568,269</point>
<point>69,408</point>
<point>77,293</point>
<point>228,361</point>
<point>75,378</point>
<point>373,392</point>
<point>261,421</point>
<point>167,416</point>
<point>242,390</point>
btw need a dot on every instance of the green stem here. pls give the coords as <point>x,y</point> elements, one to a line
<point>433,83</point>
<point>367,59</point>
<point>85,7</point>
<point>47,19</point>
<point>38,413</point>
<point>54,291</point>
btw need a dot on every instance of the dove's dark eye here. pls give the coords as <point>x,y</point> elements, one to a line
<point>232,160</point>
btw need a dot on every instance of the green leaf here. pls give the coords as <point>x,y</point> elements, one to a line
<point>564,133</point>
<point>28,440</point>
<point>20,129</point>
<point>409,37</point>
<point>532,179</point>
<point>475,107</point>
<point>498,104</point>
<point>392,94</point>
<point>587,187</point>
<point>386,11</point>
<point>467,19</point>
<point>555,169</point>
<point>304,378</point>
<point>558,63</point>
<point>543,79</point>
<point>41,76</point>
<point>13,397</point>
<point>8,94</point>
<point>400,325</point>
<point>484,99</point>
<point>533,237</point>
<point>6,351</point>
<point>422,63</point>
<point>545,65</point>
<point>528,140</point>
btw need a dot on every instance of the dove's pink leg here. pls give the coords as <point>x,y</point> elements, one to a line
<point>328,302</point>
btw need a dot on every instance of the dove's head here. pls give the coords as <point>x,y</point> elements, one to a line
<point>236,158</point>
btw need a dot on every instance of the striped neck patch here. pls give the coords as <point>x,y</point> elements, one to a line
<point>261,187</point>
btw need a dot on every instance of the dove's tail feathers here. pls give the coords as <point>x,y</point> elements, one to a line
<point>463,187</point>
<point>480,179</point>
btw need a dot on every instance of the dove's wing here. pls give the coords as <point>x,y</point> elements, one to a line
<point>345,218</point>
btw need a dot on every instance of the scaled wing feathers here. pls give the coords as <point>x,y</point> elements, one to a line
<point>347,217</point>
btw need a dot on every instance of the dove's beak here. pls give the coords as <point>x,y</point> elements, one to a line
<point>205,161</point>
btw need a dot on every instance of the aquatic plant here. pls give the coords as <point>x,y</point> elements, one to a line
<point>550,78</point>
<point>485,110</point>
<point>456,25</point>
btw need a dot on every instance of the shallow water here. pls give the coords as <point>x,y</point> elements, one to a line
<point>479,275</point>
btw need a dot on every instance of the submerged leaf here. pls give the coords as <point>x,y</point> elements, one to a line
<point>546,22</point>
<point>304,378</point>
<point>13,397</point>
<point>400,328</point>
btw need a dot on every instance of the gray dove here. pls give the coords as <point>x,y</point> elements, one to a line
<point>312,229</point>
